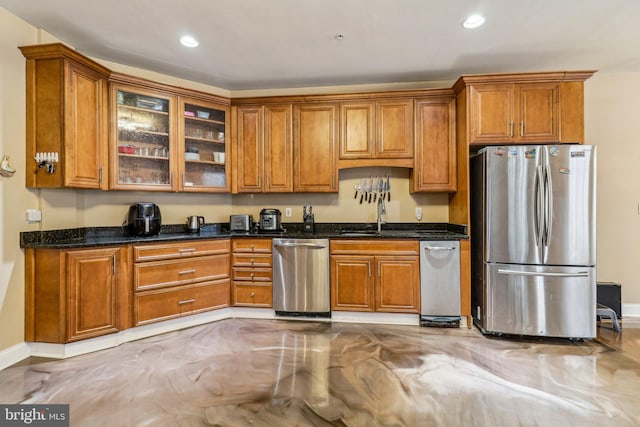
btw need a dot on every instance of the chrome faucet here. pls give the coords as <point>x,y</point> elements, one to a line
<point>382,210</point>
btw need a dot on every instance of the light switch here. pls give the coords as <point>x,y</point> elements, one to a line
<point>287,212</point>
<point>34,215</point>
<point>419,214</point>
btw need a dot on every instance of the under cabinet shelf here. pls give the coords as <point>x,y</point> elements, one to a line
<point>138,156</point>
<point>197,139</point>
<point>146,110</point>
<point>199,119</point>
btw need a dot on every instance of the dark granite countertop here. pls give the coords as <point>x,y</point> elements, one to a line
<point>107,236</point>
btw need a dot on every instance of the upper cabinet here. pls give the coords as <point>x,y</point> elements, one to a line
<point>524,108</point>
<point>162,140</point>
<point>66,115</point>
<point>376,129</point>
<point>435,145</point>
<point>263,159</point>
<point>315,138</point>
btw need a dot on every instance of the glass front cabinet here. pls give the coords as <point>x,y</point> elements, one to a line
<point>163,142</point>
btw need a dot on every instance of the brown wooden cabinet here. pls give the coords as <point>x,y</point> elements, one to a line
<point>252,273</point>
<point>263,159</point>
<point>177,279</point>
<point>515,113</point>
<point>315,139</point>
<point>435,145</point>
<point>375,275</point>
<point>376,129</point>
<point>67,115</point>
<point>76,294</point>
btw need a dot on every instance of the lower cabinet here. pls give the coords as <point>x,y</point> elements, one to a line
<point>76,294</point>
<point>377,275</point>
<point>252,273</point>
<point>178,279</point>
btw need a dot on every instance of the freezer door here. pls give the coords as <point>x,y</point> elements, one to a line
<point>513,203</point>
<point>569,183</point>
<point>540,301</point>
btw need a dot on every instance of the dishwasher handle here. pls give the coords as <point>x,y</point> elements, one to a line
<point>440,248</point>
<point>300,244</point>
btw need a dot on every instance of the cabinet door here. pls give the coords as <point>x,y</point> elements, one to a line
<point>491,113</point>
<point>315,142</point>
<point>142,153</point>
<point>278,148</point>
<point>538,112</point>
<point>398,284</point>
<point>394,129</point>
<point>249,164</point>
<point>202,149</point>
<point>357,131</point>
<point>435,159</point>
<point>92,293</point>
<point>352,283</point>
<point>86,130</point>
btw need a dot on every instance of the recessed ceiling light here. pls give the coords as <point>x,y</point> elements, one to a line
<point>189,41</point>
<point>474,21</point>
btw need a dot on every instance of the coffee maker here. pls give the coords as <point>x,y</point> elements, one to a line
<point>144,219</point>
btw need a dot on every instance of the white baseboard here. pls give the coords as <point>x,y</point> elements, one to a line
<point>13,354</point>
<point>630,310</point>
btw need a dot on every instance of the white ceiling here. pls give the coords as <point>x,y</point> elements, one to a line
<point>260,44</point>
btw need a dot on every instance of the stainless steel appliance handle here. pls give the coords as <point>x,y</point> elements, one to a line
<point>297,245</point>
<point>538,206</point>
<point>534,273</point>
<point>548,205</point>
<point>439,248</point>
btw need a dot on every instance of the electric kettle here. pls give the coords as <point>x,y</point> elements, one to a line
<point>194,223</point>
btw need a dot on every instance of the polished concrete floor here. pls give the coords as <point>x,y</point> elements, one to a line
<point>241,372</point>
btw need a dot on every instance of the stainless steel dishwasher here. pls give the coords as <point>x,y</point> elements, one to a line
<point>301,277</point>
<point>440,283</point>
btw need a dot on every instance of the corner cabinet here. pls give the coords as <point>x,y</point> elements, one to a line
<point>67,115</point>
<point>76,294</point>
<point>435,146</point>
<point>263,158</point>
<point>315,141</point>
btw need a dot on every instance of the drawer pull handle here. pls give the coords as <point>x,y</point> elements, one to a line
<point>186,250</point>
<point>186,272</point>
<point>251,275</point>
<point>187,301</point>
<point>251,246</point>
<point>251,261</point>
<point>252,294</point>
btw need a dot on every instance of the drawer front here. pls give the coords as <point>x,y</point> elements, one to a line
<point>156,274</point>
<point>251,245</point>
<point>163,304</point>
<point>252,260</point>
<point>180,250</point>
<point>374,247</point>
<point>253,274</point>
<point>252,295</point>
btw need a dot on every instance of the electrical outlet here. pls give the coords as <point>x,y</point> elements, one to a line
<point>34,215</point>
<point>419,214</point>
<point>287,212</point>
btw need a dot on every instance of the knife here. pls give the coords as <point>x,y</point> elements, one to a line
<point>369,189</point>
<point>362,189</point>
<point>388,189</point>
<point>376,189</point>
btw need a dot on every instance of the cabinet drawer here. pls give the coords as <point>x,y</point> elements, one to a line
<point>374,247</point>
<point>252,274</point>
<point>180,250</point>
<point>251,260</point>
<point>252,295</point>
<point>251,245</point>
<point>163,304</point>
<point>155,274</point>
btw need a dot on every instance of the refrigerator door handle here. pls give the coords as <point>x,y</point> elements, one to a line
<point>534,273</point>
<point>538,195</point>
<point>548,205</point>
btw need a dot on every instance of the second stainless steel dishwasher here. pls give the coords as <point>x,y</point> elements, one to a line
<point>301,277</point>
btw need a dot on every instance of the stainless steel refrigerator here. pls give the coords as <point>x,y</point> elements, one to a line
<point>533,237</point>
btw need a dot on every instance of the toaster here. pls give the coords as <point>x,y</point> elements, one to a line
<point>240,222</point>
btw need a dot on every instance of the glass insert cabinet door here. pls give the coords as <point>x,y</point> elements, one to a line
<point>143,143</point>
<point>203,146</point>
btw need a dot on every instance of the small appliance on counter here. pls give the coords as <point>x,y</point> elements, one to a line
<point>307,217</point>
<point>144,219</point>
<point>270,220</point>
<point>242,223</point>
<point>194,223</point>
